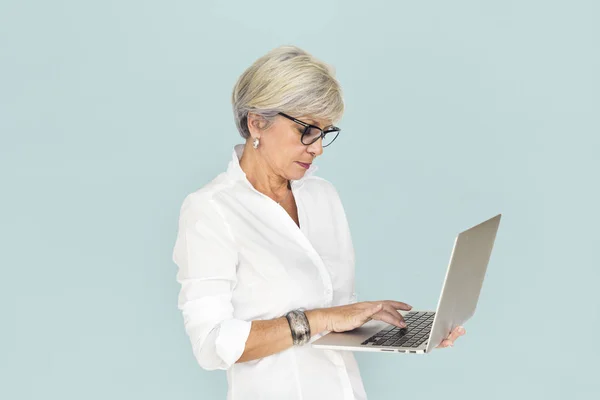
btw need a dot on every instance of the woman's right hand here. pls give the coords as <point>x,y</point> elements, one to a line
<point>351,316</point>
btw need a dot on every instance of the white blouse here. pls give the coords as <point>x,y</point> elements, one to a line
<point>241,257</point>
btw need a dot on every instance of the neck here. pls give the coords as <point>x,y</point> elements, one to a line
<point>261,175</point>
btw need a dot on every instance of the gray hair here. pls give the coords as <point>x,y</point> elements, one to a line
<point>287,79</point>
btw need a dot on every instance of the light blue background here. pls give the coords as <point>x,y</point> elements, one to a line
<point>112,111</point>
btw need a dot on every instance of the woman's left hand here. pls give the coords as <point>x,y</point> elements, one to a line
<point>455,334</point>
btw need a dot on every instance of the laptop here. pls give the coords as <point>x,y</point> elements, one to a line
<point>425,330</point>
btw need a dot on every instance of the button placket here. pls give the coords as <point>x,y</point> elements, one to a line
<point>325,276</point>
<point>302,238</point>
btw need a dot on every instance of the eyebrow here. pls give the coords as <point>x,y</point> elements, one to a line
<point>315,123</point>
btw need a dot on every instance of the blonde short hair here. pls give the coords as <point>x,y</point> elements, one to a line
<point>287,79</point>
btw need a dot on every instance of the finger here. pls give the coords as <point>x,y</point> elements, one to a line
<point>396,315</point>
<point>456,333</point>
<point>398,305</point>
<point>369,312</point>
<point>397,318</point>
<point>385,316</point>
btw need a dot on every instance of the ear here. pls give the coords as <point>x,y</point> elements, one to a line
<point>256,123</point>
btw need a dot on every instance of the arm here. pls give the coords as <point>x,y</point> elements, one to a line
<point>206,255</point>
<point>272,336</point>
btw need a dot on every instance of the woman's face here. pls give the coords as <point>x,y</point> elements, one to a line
<point>281,147</point>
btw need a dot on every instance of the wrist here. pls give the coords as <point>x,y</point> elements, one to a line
<point>317,320</point>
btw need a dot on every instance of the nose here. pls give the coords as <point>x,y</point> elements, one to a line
<point>316,149</point>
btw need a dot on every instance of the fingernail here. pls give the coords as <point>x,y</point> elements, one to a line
<point>402,324</point>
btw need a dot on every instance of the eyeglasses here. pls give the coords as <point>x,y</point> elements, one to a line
<point>313,133</point>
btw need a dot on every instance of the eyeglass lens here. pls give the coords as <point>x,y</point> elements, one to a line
<point>313,134</point>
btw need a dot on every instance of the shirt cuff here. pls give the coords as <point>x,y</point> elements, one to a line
<point>231,342</point>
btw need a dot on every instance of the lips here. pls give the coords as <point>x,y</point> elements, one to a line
<point>305,165</point>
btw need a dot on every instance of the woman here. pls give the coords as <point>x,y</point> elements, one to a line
<point>265,256</point>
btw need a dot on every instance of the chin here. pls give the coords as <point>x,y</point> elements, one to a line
<point>296,175</point>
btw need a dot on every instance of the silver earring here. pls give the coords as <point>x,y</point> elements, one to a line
<point>255,143</point>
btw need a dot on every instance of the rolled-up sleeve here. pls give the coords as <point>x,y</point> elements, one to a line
<point>207,259</point>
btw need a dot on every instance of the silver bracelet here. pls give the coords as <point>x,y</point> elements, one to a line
<point>299,326</point>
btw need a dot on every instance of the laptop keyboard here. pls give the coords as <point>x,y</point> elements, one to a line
<point>418,327</point>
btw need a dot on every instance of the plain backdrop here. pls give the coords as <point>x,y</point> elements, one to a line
<point>111,112</point>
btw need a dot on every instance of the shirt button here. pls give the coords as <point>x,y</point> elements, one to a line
<point>328,292</point>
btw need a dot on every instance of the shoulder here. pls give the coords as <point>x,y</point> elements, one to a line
<point>318,183</point>
<point>202,199</point>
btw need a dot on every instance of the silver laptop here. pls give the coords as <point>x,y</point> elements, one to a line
<point>425,330</point>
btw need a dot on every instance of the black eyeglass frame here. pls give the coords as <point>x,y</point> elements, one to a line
<point>307,126</point>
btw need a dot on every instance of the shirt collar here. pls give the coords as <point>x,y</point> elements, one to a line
<point>235,171</point>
